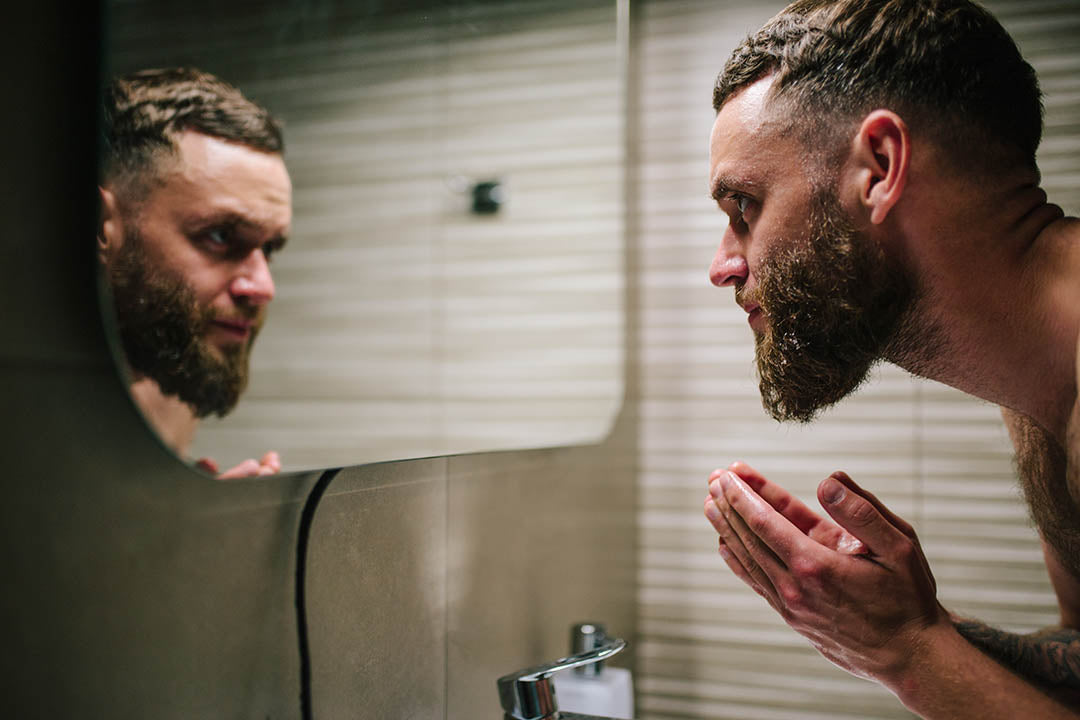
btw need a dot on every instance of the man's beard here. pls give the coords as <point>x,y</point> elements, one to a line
<point>162,330</point>
<point>834,307</point>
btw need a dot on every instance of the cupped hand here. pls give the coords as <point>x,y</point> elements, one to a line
<point>859,589</point>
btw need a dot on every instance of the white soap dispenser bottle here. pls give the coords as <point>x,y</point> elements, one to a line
<point>594,689</point>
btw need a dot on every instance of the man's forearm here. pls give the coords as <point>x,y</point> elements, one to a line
<point>952,679</point>
<point>1049,658</point>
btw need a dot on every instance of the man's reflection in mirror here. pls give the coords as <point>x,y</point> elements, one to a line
<point>195,200</point>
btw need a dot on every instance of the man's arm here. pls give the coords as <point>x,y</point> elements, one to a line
<point>868,606</point>
<point>1049,658</point>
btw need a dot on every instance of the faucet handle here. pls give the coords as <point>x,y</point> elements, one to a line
<point>530,695</point>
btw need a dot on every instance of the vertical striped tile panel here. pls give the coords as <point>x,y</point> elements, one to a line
<point>709,647</point>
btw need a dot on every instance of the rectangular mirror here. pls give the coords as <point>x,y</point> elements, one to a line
<point>453,276</point>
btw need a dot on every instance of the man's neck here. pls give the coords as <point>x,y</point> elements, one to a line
<point>173,419</point>
<point>1001,289</point>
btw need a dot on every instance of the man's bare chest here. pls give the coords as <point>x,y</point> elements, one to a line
<point>1047,474</point>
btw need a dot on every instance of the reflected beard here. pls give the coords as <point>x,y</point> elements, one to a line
<point>833,307</point>
<point>162,331</point>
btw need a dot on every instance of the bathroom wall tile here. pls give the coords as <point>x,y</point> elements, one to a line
<point>377,593</point>
<point>137,587</point>
<point>538,541</point>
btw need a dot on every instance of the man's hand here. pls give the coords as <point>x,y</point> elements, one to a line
<point>270,464</point>
<point>859,589</point>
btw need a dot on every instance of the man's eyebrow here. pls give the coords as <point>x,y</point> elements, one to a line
<point>724,184</point>
<point>228,219</point>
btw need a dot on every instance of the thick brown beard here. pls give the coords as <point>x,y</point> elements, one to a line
<point>833,304</point>
<point>162,332</point>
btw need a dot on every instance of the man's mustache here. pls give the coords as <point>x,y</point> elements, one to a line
<point>742,297</point>
<point>241,316</point>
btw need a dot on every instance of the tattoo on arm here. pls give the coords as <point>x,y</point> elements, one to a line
<point>1050,657</point>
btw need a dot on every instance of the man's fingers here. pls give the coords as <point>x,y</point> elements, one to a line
<point>759,522</point>
<point>248,468</point>
<point>895,520</point>
<point>748,569</point>
<point>783,501</point>
<point>270,463</point>
<point>861,514</point>
<point>740,572</point>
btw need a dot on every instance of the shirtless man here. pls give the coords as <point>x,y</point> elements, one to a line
<point>876,160</point>
<point>195,199</point>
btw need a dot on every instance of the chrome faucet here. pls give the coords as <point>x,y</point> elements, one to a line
<point>530,694</point>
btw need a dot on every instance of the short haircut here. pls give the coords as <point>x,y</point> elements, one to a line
<point>144,113</point>
<point>947,67</point>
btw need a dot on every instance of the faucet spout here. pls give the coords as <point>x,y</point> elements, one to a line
<point>530,694</point>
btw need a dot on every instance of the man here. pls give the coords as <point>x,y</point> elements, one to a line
<point>195,199</point>
<point>876,160</point>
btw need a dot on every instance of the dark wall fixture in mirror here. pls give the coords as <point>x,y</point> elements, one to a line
<point>453,276</point>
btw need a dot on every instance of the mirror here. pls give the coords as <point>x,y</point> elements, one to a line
<point>453,276</point>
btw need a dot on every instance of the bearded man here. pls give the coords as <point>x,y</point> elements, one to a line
<point>876,160</point>
<point>195,199</point>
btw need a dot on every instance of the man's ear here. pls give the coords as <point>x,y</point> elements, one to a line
<point>882,157</point>
<point>110,231</point>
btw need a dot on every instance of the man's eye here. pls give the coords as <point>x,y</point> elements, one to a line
<point>742,204</point>
<point>269,248</point>
<point>219,238</point>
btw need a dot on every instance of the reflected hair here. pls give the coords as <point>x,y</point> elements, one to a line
<point>145,111</point>
<point>947,67</point>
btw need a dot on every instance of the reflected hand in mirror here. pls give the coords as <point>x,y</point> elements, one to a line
<point>195,200</point>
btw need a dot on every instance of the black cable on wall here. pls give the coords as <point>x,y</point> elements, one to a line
<point>306,518</point>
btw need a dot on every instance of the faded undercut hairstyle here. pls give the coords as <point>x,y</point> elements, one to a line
<point>147,110</point>
<point>947,67</point>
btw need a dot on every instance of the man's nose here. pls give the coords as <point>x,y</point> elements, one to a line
<point>729,266</point>
<point>253,283</point>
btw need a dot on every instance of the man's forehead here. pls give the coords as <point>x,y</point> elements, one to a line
<point>212,177</point>
<point>745,114</point>
<point>207,158</point>
<point>745,135</point>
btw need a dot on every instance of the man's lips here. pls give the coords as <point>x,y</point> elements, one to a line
<point>237,328</point>
<point>753,313</point>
